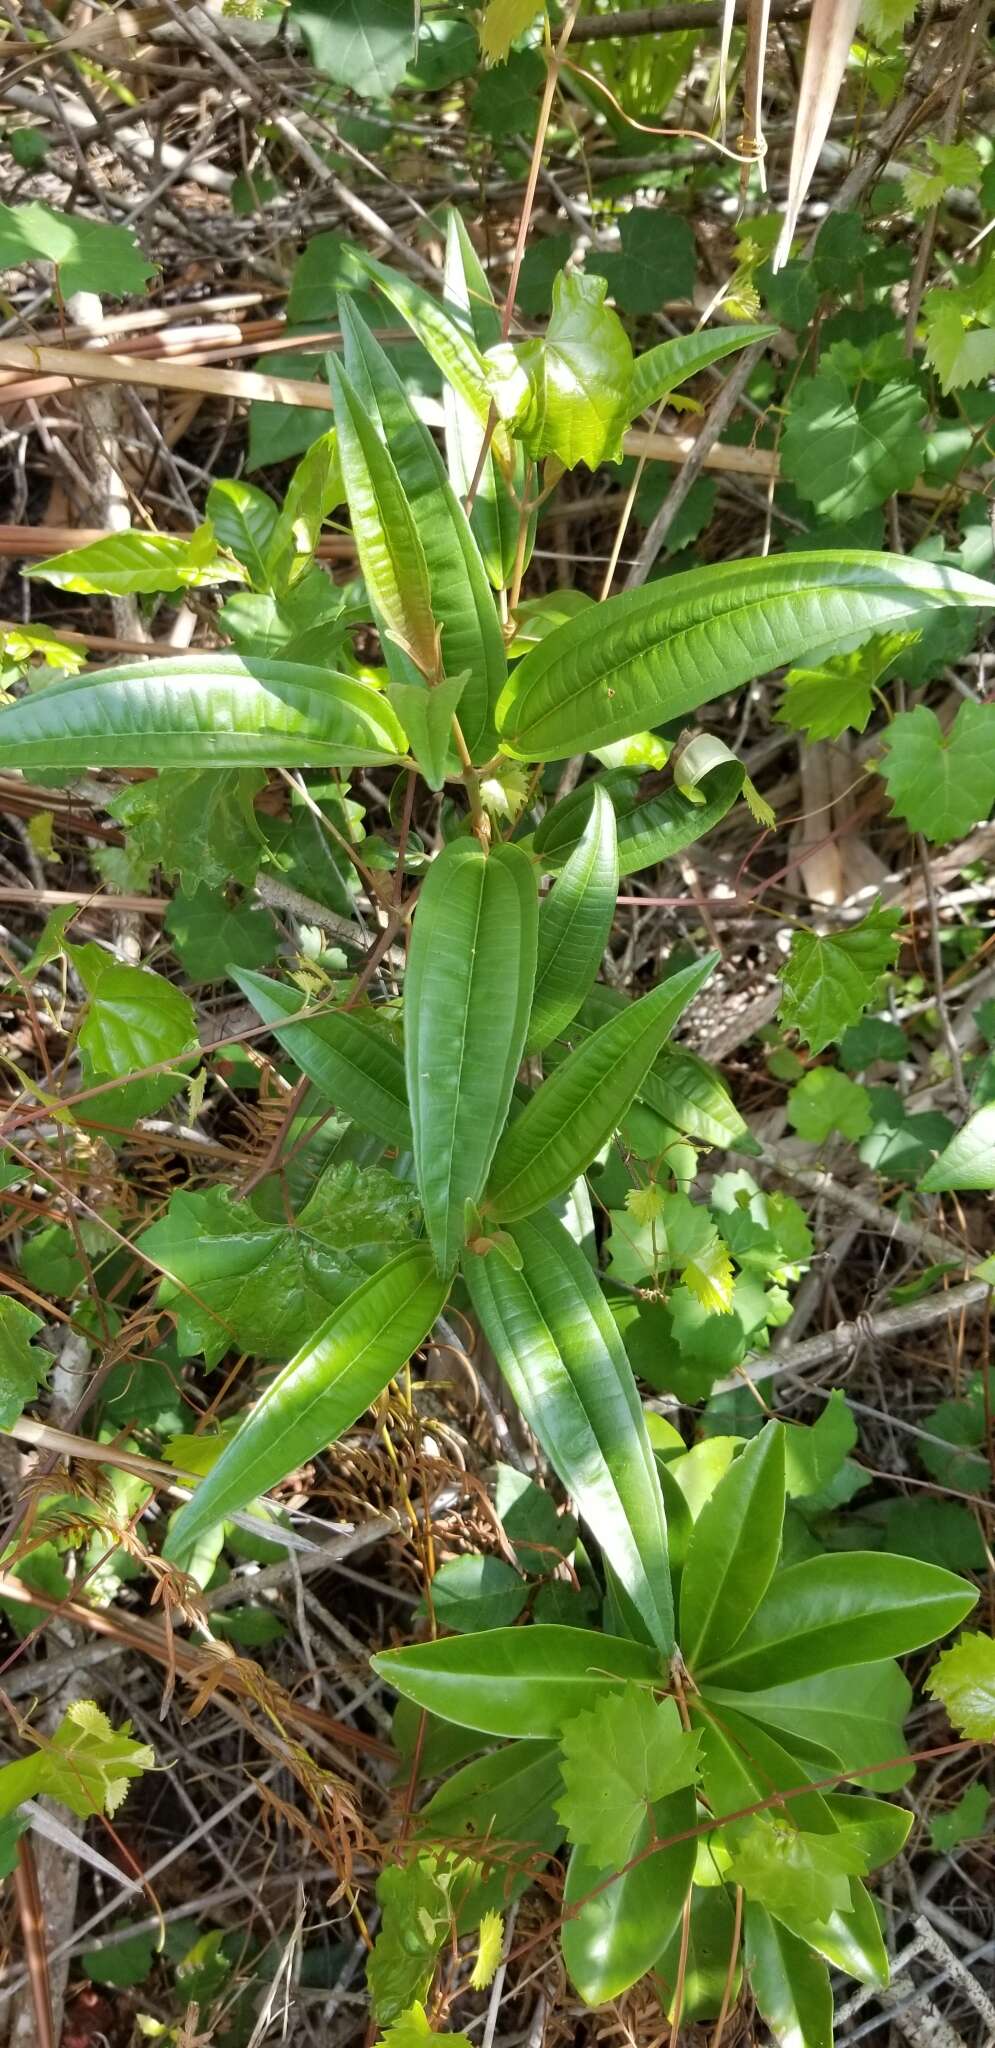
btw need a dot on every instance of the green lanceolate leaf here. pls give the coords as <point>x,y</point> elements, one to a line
<point>829,1611</point>
<point>856,1712</point>
<point>468,993</point>
<point>655,654</point>
<point>969,1159</point>
<point>388,541</point>
<point>574,924</point>
<point>652,825</point>
<point>673,362</point>
<point>202,711</point>
<point>733,1551</point>
<point>516,1681</point>
<point>333,1378</point>
<point>790,1984</point>
<point>616,1931</point>
<point>445,337</point>
<point>348,1057</point>
<point>494,517</point>
<point>570,1117</point>
<point>559,1350</point>
<point>472,642</point>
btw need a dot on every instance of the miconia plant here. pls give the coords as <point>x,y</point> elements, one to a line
<point>698,1717</point>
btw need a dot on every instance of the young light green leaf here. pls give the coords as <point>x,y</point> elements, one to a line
<point>516,1681</point>
<point>661,369</point>
<point>348,1056</point>
<point>494,518</point>
<point>614,1933</point>
<point>790,1984</point>
<point>472,641</point>
<point>131,562</point>
<point>426,711</point>
<point>244,520</point>
<point>652,655</point>
<point>955,163</point>
<point>569,1118</point>
<point>203,710</point>
<point>829,1611</point>
<point>733,1550</point>
<point>471,970</point>
<point>134,1018</point>
<point>411,2029</point>
<point>22,1365</point>
<point>334,1377</point>
<point>390,552</point>
<point>625,1752</point>
<point>574,923</point>
<point>942,784</point>
<point>567,393</point>
<point>502,21</point>
<point>445,337</point>
<point>828,979</point>
<point>417,1916</point>
<point>559,1350</point>
<point>969,1159</point>
<point>315,488</point>
<point>963,1680</point>
<point>87,1764</point>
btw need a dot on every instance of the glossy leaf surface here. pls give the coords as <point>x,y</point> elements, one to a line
<point>733,1551</point>
<point>661,369</point>
<point>468,994</point>
<point>655,654</point>
<point>348,1057</point>
<point>574,923</point>
<point>560,1352</point>
<point>333,1378</point>
<point>619,1929</point>
<point>828,1611</point>
<point>790,1984</point>
<point>471,638</point>
<point>569,1118</point>
<point>494,516</point>
<point>388,540</point>
<point>516,1681</point>
<point>202,711</point>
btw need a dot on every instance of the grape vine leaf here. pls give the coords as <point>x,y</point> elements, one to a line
<point>828,979</point>
<point>626,1752</point>
<point>963,1680</point>
<point>134,1018</point>
<point>414,1901</point>
<point>786,1870</point>
<point>942,784</point>
<point>210,934</point>
<point>411,2029</point>
<point>838,696</point>
<point>959,322</point>
<point>655,260</point>
<point>566,393</point>
<point>87,1764</point>
<point>824,1101</point>
<point>232,1277</point>
<point>22,1366</point>
<point>965,1822</point>
<point>954,163</point>
<point>851,440</point>
<point>89,255</point>
<point>200,826</point>
<point>364,44</point>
